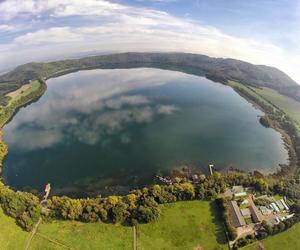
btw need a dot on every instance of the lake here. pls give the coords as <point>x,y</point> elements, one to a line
<point>103,131</point>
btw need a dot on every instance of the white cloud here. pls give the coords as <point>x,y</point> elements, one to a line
<point>5,27</point>
<point>123,28</point>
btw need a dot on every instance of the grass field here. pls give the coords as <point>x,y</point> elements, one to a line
<point>34,85</point>
<point>251,91</point>
<point>287,104</point>
<point>288,240</point>
<point>86,235</point>
<point>11,236</point>
<point>184,225</point>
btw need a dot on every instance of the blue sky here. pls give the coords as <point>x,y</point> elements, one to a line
<point>258,31</point>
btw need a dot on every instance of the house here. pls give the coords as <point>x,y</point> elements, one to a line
<point>238,191</point>
<point>256,216</point>
<point>246,213</point>
<point>237,220</point>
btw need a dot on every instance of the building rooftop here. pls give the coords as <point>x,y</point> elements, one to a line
<point>237,189</point>
<point>246,212</point>
<point>255,214</point>
<point>236,217</point>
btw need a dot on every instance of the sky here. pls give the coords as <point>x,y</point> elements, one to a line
<point>256,31</point>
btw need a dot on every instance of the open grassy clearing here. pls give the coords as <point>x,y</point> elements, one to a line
<point>287,104</point>
<point>251,91</point>
<point>34,85</point>
<point>64,234</point>
<point>86,235</point>
<point>184,225</point>
<point>288,240</point>
<point>12,237</point>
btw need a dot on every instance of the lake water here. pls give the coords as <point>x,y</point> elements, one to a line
<point>101,130</point>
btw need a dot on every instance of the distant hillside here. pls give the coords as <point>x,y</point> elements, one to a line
<point>217,69</point>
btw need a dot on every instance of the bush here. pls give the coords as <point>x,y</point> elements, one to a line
<point>24,207</point>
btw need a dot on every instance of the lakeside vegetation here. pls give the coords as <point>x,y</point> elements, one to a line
<point>277,119</point>
<point>217,69</point>
<point>144,205</point>
<point>11,106</point>
<point>287,104</point>
<point>36,89</point>
<point>286,181</point>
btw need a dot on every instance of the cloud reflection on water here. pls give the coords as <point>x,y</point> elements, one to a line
<point>101,105</point>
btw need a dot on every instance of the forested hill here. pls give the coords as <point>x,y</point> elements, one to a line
<point>217,69</point>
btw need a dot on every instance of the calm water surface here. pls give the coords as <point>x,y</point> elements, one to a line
<point>99,130</point>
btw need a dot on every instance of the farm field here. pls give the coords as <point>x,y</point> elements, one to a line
<point>31,87</point>
<point>287,104</point>
<point>184,225</point>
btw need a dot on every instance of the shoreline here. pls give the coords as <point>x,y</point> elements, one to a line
<point>289,167</point>
<point>10,112</point>
<point>283,170</point>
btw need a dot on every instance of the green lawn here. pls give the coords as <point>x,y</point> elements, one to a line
<point>72,234</point>
<point>184,225</point>
<point>84,236</point>
<point>12,237</point>
<point>34,85</point>
<point>287,104</point>
<point>288,240</point>
<point>277,197</point>
<point>250,90</point>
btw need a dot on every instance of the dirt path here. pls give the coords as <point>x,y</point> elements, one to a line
<point>35,228</point>
<point>134,245</point>
<point>55,241</point>
<point>33,232</point>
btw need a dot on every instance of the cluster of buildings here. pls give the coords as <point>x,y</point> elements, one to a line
<point>242,209</point>
<point>246,214</point>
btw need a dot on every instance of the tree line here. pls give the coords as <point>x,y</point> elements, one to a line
<point>139,206</point>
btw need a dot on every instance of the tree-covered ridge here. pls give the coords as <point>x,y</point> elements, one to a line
<point>217,69</point>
